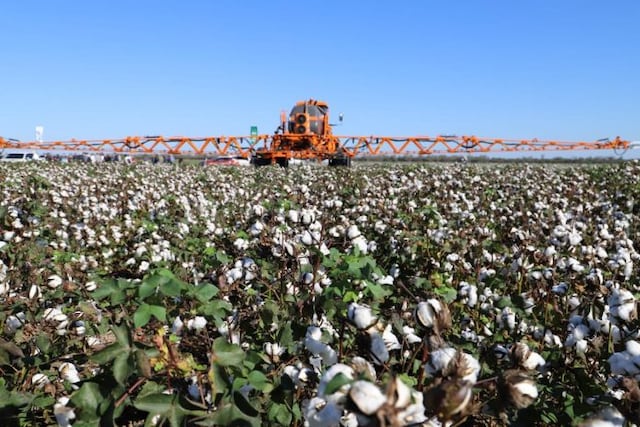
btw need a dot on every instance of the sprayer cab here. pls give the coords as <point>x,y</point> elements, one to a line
<point>309,117</point>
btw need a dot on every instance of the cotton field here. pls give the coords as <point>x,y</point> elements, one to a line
<point>415,295</point>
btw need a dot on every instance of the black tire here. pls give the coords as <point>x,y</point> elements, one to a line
<point>340,161</point>
<point>261,161</point>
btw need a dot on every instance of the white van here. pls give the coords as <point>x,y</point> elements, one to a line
<point>21,156</point>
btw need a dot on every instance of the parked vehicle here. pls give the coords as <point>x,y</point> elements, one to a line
<point>228,161</point>
<point>23,156</point>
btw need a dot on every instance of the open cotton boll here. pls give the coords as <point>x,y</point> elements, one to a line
<point>439,360</point>
<point>361,316</point>
<point>622,305</point>
<point>320,413</point>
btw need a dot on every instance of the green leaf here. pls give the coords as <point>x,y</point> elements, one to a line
<point>142,316</point>
<point>5,360</point>
<point>258,380</point>
<point>227,354</point>
<point>218,309</point>
<point>285,337</point>
<point>350,296</point>
<point>88,397</point>
<point>158,312</point>
<point>123,335</point>
<point>43,342</point>
<point>172,288</point>
<point>205,292</point>
<point>243,405</point>
<point>377,291</point>
<point>222,257</point>
<point>336,383</point>
<point>448,294</point>
<point>43,401</point>
<point>122,368</point>
<point>280,413</point>
<point>146,289</point>
<point>105,289</point>
<point>156,403</point>
<point>108,353</point>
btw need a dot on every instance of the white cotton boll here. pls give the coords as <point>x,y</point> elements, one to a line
<point>367,396</point>
<point>560,289</point>
<point>379,351</point>
<point>320,413</point>
<point>307,278</point>
<point>601,253</point>
<point>256,228</point>
<point>329,355</point>
<point>241,244</point>
<point>452,258</point>
<point>63,413</point>
<point>550,251</point>
<point>177,326</point>
<point>69,372</point>
<point>471,368</point>
<point>533,361</point>
<point>439,360</point>
<point>581,332</point>
<point>39,380</point>
<point>575,238</point>
<point>140,250</point>
<point>307,217</point>
<point>35,292</point>
<point>306,238</point>
<point>390,340</point>
<point>573,302</point>
<point>90,286</point>
<point>633,348</point>
<point>394,271</point>
<point>233,275</point>
<point>552,340</point>
<point>507,319</point>
<point>80,328</point>
<point>196,323</point>
<point>293,215</point>
<point>410,336</point>
<point>385,280</point>
<point>312,340</point>
<point>427,312</point>
<point>621,364</point>
<point>581,346</point>
<point>353,232</point>
<point>536,275</point>
<point>54,281</point>
<point>622,304</point>
<point>144,266</point>
<point>274,351</point>
<point>526,388</point>
<point>361,316</point>
<point>361,244</point>
<point>14,322</point>
<point>258,210</point>
<point>628,269</point>
<point>473,296</point>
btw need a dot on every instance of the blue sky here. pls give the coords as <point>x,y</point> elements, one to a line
<point>566,70</point>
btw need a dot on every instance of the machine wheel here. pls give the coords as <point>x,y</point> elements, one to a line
<point>261,161</point>
<point>282,162</point>
<point>340,161</point>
